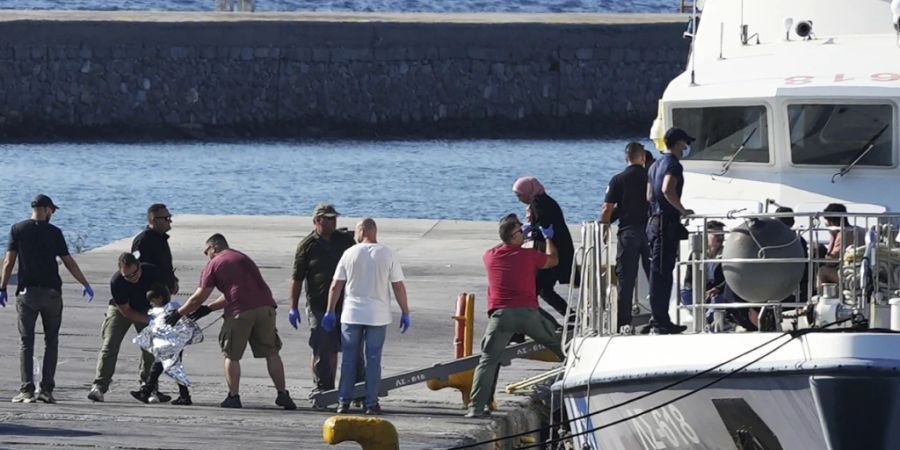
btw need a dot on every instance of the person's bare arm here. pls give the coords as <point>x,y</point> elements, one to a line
<point>196,299</point>
<point>400,296</point>
<point>295,293</point>
<point>552,255</point>
<point>73,268</point>
<point>606,212</point>
<point>8,265</point>
<point>132,315</point>
<point>334,293</point>
<point>218,304</point>
<point>670,191</point>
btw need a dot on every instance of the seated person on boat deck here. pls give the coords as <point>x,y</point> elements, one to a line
<point>716,291</point>
<point>715,278</point>
<point>843,235</point>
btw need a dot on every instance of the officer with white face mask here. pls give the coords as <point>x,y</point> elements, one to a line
<point>664,187</point>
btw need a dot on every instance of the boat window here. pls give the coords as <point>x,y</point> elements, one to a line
<point>721,130</point>
<point>837,135</point>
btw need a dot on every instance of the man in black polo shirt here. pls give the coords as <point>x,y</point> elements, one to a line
<point>152,244</point>
<point>129,306</point>
<point>36,244</point>
<point>627,197</point>
<point>315,261</point>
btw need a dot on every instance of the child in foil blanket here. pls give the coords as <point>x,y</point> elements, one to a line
<point>167,344</point>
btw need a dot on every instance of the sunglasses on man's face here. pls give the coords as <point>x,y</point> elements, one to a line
<point>133,273</point>
<point>166,218</point>
<point>208,248</point>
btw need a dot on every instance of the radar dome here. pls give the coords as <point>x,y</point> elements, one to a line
<point>762,282</point>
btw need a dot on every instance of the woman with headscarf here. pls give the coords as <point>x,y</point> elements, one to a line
<point>543,211</point>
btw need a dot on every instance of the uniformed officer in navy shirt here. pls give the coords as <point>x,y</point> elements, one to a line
<point>626,196</point>
<point>664,230</point>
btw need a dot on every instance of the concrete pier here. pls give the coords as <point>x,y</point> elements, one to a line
<point>439,258</point>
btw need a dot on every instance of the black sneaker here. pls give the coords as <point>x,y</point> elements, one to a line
<point>184,401</point>
<point>343,408</point>
<point>46,397</point>
<point>669,328</point>
<point>232,401</point>
<point>374,410</point>
<point>141,395</point>
<point>358,403</point>
<point>162,397</point>
<point>284,400</point>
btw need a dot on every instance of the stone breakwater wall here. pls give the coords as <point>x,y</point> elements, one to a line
<point>172,78</point>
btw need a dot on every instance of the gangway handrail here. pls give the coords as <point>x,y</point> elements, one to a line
<point>439,370</point>
<point>596,312</point>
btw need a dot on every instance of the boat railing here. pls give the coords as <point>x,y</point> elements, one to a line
<point>866,269</point>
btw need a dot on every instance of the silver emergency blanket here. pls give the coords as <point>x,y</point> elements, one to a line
<point>166,342</point>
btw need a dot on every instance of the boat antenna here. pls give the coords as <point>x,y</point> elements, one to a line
<point>693,39</point>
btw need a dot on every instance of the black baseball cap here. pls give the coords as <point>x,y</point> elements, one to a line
<point>42,200</point>
<point>677,134</point>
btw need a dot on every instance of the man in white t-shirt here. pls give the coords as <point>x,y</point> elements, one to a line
<point>369,271</point>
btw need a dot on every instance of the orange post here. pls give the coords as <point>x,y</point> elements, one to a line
<point>459,335</point>
<point>462,342</point>
<point>470,324</point>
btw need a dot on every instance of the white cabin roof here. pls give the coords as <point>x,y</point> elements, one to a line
<point>854,53</point>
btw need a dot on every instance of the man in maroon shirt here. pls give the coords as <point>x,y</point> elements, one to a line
<point>512,304</point>
<point>249,316</point>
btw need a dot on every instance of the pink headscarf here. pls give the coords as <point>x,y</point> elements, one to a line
<point>528,188</point>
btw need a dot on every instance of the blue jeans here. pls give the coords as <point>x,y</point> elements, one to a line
<point>352,338</point>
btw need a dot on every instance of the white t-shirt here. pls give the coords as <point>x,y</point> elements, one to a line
<point>369,270</point>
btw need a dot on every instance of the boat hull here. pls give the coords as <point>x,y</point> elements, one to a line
<point>837,410</point>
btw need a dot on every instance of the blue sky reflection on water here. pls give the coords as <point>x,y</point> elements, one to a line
<point>104,189</point>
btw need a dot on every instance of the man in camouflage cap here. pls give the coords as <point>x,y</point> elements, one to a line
<point>315,261</point>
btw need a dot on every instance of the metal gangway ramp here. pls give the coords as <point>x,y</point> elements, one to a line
<point>438,371</point>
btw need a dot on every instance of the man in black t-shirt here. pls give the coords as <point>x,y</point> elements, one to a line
<point>626,196</point>
<point>152,244</point>
<point>129,306</point>
<point>36,244</point>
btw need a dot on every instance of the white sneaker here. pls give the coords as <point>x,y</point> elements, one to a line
<point>96,394</point>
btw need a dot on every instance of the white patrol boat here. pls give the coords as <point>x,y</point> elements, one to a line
<point>793,103</point>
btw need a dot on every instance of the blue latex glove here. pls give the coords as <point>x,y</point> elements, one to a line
<point>294,318</point>
<point>404,323</point>
<point>547,232</point>
<point>3,298</point>
<point>86,291</point>
<point>328,321</point>
<point>526,229</point>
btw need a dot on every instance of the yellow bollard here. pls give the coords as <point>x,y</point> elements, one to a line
<point>461,381</point>
<point>370,432</point>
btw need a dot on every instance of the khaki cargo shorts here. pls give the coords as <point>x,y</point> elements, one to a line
<point>256,327</point>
